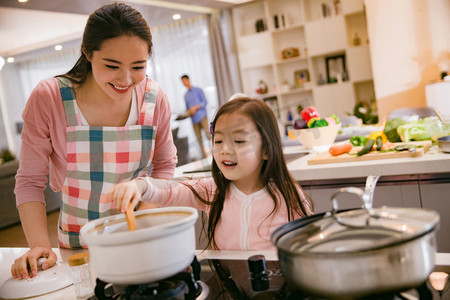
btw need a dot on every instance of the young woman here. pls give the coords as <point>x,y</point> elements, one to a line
<point>101,123</point>
<point>251,192</point>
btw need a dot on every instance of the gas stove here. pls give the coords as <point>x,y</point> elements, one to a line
<point>252,278</point>
<point>183,285</point>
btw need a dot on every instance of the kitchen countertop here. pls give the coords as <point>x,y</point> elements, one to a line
<point>433,162</point>
<point>8,255</point>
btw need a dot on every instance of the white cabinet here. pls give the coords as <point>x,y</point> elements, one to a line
<point>326,36</point>
<point>334,98</point>
<point>437,197</point>
<point>307,52</point>
<point>389,195</point>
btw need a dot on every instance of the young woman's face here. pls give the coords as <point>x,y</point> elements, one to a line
<point>238,149</point>
<point>119,65</point>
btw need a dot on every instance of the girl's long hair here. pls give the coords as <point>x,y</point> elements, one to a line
<point>107,22</point>
<point>274,174</point>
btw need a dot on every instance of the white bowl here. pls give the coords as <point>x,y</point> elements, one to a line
<point>319,136</point>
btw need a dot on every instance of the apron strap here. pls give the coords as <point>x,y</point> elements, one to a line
<point>148,106</point>
<point>68,97</point>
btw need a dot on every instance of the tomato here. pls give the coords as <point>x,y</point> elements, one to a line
<point>310,112</point>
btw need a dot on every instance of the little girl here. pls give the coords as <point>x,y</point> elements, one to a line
<point>251,192</point>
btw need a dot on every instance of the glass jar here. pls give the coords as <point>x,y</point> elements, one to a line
<point>81,273</point>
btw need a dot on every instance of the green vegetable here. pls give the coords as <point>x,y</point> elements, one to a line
<point>358,140</point>
<point>379,143</point>
<point>413,131</point>
<point>402,147</point>
<point>319,123</point>
<point>367,148</point>
<point>435,127</point>
<point>390,129</point>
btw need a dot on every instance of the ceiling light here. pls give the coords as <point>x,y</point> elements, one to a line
<point>10,59</point>
<point>58,47</point>
<point>23,1</point>
<point>176,16</point>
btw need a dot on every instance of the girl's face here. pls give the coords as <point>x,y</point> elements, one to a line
<point>119,66</point>
<point>238,151</point>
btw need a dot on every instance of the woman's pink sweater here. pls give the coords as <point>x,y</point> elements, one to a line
<point>44,141</point>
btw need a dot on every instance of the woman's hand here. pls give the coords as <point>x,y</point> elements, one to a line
<point>19,268</point>
<point>127,192</point>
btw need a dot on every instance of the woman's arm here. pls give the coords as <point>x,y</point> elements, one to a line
<point>165,152</point>
<point>33,216</point>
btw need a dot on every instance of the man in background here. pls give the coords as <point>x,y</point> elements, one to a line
<point>196,107</point>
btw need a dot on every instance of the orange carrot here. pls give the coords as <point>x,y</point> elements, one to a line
<point>338,149</point>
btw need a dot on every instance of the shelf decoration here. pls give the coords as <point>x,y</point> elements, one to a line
<point>262,87</point>
<point>301,77</point>
<point>273,104</point>
<point>326,10</point>
<point>279,21</point>
<point>290,52</point>
<point>356,39</point>
<point>260,25</point>
<point>336,68</point>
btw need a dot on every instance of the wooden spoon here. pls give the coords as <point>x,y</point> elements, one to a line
<point>131,220</point>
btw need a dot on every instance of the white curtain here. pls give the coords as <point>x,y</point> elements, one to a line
<point>44,66</point>
<point>183,48</point>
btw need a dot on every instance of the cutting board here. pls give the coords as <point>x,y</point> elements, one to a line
<point>327,158</point>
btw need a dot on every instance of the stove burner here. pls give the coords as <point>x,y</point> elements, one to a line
<point>183,285</point>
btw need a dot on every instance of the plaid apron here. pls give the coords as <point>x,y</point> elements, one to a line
<point>97,159</point>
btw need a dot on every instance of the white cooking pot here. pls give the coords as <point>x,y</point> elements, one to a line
<point>163,245</point>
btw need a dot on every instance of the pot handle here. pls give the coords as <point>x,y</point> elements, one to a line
<point>350,190</point>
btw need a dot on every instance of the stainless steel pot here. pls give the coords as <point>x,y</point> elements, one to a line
<point>360,252</point>
<point>163,245</point>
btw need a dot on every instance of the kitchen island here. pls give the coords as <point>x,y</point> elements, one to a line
<point>8,255</point>
<point>433,162</point>
<point>422,181</point>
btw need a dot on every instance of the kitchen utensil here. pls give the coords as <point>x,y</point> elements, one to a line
<point>327,158</point>
<point>359,252</point>
<point>444,143</point>
<point>163,245</point>
<point>46,281</point>
<point>131,220</point>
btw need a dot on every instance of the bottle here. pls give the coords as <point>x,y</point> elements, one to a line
<point>81,273</point>
<point>356,39</point>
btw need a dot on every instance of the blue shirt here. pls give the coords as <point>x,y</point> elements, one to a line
<point>193,97</point>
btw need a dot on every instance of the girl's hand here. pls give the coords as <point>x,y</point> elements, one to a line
<point>127,192</point>
<point>19,268</point>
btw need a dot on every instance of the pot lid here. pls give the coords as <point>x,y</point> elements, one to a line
<point>47,281</point>
<point>151,224</point>
<point>355,230</point>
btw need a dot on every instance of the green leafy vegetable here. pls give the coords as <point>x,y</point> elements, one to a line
<point>390,129</point>
<point>413,131</point>
<point>319,123</point>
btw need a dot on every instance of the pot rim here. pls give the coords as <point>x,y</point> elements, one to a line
<point>89,231</point>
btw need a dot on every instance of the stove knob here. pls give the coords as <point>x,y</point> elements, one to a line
<point>257,268</point>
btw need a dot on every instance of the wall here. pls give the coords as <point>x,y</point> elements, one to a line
<point>410,46</point>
